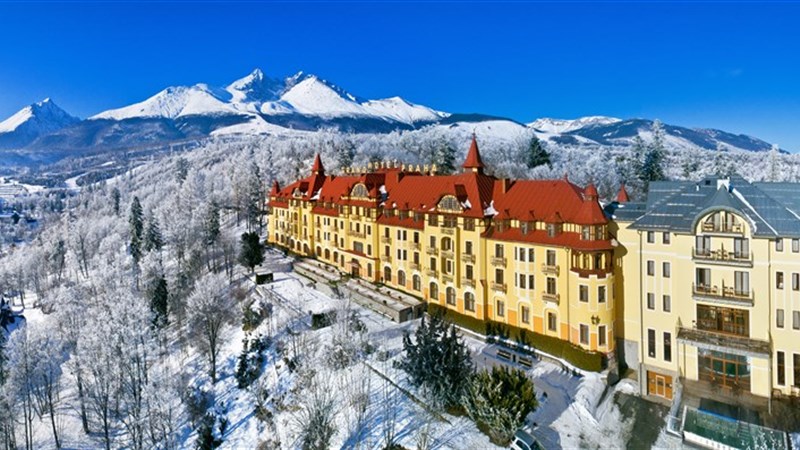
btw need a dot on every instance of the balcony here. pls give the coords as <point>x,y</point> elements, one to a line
<point>499,287</point>
<point>432,251</point>
<point>447,278</point>
<point>432,273</point>
<point>726,294</point>
<point>723,228</point>
<point>414,245</point>
<point>356,234</point>
<point>722,257</point>
<point>551,269</point>
<point>447,254</point>
<point>498,261</point>
<point>355,217</point>
<point>468,282</point>
<point>724,342</point>
<point>468,258</point>
<point>413,266</point>
<point>386,240</point>
<point>386,258</point>
<point>448,231</point>
<point>552,298</point>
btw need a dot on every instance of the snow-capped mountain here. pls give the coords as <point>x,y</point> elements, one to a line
<point>258,104</point>
<point>33,121</point>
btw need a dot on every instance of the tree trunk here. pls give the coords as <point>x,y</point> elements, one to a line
<point>82,400</point>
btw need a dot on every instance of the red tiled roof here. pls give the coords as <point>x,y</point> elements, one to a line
<point>553,201</point>
<point>317,167</point>
<point>622,195</point>
<point>572,240</point>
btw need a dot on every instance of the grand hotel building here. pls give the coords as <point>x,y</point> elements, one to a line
<point>698,285</point>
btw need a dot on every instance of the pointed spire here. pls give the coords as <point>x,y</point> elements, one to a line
<point>275,188</point>
<point>590,193</point>
<point>622,195</point>
<point>317,168</point>
<point>473,160</point>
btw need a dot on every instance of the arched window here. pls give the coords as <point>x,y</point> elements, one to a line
<point>359,190</point>
<point>469,301</point>
<point>387,274</point>
<point>451,296</point>
<point>416,282</point>
<point>434,292</point>
<point>401,278</point>
<point>449,203</point>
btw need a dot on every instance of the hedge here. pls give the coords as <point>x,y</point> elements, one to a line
<point>553,346</point>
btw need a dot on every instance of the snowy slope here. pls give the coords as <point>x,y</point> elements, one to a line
<point>33,121</point>
<point>558,126</point>
<point>172,103</point>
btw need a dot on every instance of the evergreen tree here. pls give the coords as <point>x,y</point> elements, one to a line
<point>115,196</point>
<point>498,401</point>
<point>136,222</point>
<point>537,155</point>
<point>251,253</point>
<point>181,169</point>
<point>153,239</point>
<point>345,152</point>
<point>437,361</point>
<point>211,224</point>
<point>159,302</point>
<point>445,157</point>
<point>254,198</point>
<point>652,164</point>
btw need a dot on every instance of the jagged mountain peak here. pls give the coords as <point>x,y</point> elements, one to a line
<point>33,121</point>
<point>255,87</point>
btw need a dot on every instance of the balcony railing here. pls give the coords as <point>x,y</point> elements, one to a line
<point>432,251</point>
<point>467,258</point>
<point>447,278</point>
<point>723,293</point>
<point>500,287</point>
<point>723,227</point>
<point>552,269</point>
<point>498,261</point>
<point>386,240</point>
<point>721,326</point>
<point>724,342</point>
<point>468,282</point>
<point>432,273</point>
<point>447,254</point>
<point>386,258</point>
<point>414,266</point>
<point>414,245</point>
<point>722,256</point>
<point>548,297</point>
<point>448,231</point>
<point>356,234</point>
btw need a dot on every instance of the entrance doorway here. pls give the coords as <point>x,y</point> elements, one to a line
<point>659,385</point>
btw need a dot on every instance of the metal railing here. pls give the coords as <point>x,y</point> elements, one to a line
<point>552,269</point>
<point>548,297</point>
<point>722,256</point>
<point>723,292</point>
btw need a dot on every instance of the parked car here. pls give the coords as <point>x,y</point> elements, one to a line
<point>524,441</point>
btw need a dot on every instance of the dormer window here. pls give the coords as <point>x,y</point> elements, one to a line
<point>586,233</point>
<point>359,191</point>
<point>449,203</point>
<point>553,229</point>
<point>525,227</point>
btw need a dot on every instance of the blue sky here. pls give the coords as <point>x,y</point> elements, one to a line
<point>734,66</point>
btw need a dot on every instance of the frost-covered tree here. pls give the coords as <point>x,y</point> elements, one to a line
<point>136,223</point>
<point>210,308</point>
<point>115,198</point>
<point>152,236</point>
<point>652,164</point>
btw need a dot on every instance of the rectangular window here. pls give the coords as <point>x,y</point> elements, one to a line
<point>526,314</point>
<point>795,245</point>
<point>781,368</point>
<point>666,303</point>
<point>551,285</point>
<point>530,282</point>
<point>530,255</point>
<point>584,334</point>
<point>796,372</point>
<point>433,242</point>
<point>583,292</point>
<point>468,271</point>
<point>551,258</point>
<point>501,308</point>
<point>779,280</point>
<point>667,346</point>
<point>433,220</point>
<point>651,300</point>
<point>522,281</point>
<point>416,258</point>
<point>702,245</point>
<point>433,264</point>
<point>586,233</point>
<point>741,248</point>
<point>741,283</point>
<point>651,343</point>
<point>468,247</point>
<point>469,224</point>
<point>796,320</point>
<point>796,281</point>
<point>387,250</point>
<point>601,336</point>
<point>651,237</point>
<point>601,294</point>
<point>552,323</point>
<point>779,318</point>
<point>666,270</point>
<point>665,238</point>
<point>779,245</point>
<point>651,268</point>
<point>416,237</point>
<point>498,250</point>
<point>498,276</point>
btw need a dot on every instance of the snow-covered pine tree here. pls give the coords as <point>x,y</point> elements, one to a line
<point>136,223</point>
<point>537,155</point>
<point>152,237</point>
